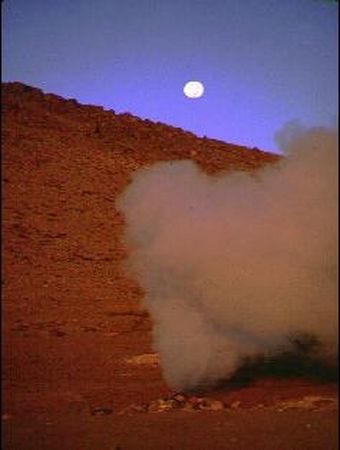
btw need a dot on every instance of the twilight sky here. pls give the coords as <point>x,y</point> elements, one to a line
<point>263,62</point>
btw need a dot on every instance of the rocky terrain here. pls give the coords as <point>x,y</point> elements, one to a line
<point>79,370</point>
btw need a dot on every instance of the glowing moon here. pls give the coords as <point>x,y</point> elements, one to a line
<point>193,89</point>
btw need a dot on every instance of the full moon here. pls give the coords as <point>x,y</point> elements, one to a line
<point>193,89</point>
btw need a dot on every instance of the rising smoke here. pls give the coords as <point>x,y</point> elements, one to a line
<point>232,265</point>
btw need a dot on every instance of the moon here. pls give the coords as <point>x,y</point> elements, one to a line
<point>193,89</point>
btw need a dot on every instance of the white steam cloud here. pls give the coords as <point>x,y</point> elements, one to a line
<point>234,264</point>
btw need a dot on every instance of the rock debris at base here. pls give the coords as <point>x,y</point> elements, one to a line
<point>193,403</point>
<point>178,402</point>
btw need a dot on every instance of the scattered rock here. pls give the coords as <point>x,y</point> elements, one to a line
<point>212,405</point>
<point>159,406</point>
<point>189,407</point>
<point>101,411</point>
<point>147,359</point>
<point>179,398</point>
<point>179,401</point>
<point>235,404</point>
<point>134,409</point>
<point>311,402</point>
<point>140,408</point>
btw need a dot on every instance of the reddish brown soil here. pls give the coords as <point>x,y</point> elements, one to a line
<point>72,315</point>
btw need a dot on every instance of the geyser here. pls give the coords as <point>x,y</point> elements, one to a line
<point>234,264</point>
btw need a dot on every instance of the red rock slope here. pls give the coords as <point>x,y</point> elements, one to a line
<point>72,321</point>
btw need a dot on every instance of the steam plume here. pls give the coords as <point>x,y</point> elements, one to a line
<point>232,265</point>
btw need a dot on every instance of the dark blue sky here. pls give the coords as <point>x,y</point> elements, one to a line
<point>263,62</point>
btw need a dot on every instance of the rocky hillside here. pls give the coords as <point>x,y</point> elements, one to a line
<point>78,361</point>
<point>63,165</point>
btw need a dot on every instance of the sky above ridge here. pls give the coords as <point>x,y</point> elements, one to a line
<point>263,63</point>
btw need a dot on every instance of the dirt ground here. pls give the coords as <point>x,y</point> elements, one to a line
<point>77,344</point>
<point>74,391</point>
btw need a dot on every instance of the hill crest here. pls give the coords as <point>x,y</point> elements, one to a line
<point>140,140</point>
